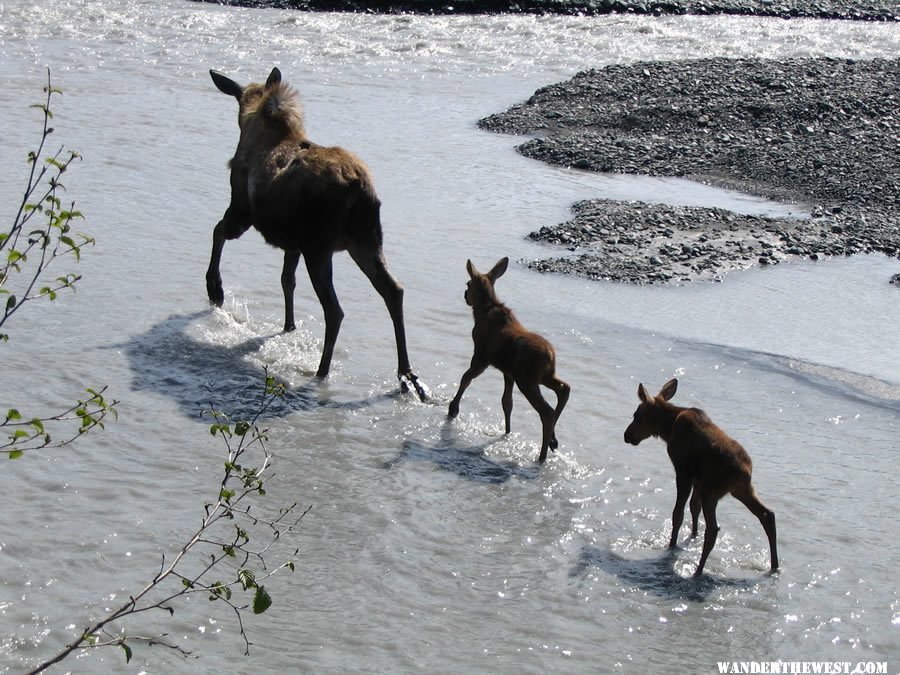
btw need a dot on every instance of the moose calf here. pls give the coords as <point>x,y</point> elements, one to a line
<point>706,460</point>
<point>522,356</point>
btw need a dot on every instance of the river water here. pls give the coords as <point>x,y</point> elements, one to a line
<point>430,545</point>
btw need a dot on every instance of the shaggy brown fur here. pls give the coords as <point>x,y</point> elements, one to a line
<point>522,356</point>
<point>706,460</point>
<point>309,201</point>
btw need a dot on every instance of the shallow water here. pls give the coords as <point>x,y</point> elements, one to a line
<point>430,545</point>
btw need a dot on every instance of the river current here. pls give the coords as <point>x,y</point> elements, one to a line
<point>431,545</point>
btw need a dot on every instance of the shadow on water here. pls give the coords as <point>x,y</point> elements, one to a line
<point>466,461</point>
<point>655,575</point>
<point>196,375</point>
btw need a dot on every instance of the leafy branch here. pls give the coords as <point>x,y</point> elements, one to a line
<point>27,249</point>
<point>222,542</point>
<point>31,433</point>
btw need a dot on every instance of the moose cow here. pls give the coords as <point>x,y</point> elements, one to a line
<point>307,200</point>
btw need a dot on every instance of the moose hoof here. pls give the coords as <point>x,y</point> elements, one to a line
<point>215,293</point>
<point>410,379</point>
<point>289,327</point>
<point>554,444</point>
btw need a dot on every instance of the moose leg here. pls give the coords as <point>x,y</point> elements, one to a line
<point>695,511</point>
<point>507,399</point>
<point>747,495</point>
<point>562,390</point>
<point>371,262</point>
<point>709,503</point>
<point>532,391</point>
<point>288,283</point>
<point>231,226</point>
<point>683,491</point>
<point>319,267</point>
<point>475,369</point>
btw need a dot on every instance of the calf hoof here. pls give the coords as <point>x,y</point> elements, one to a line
<point>289,327</point>
<point>554,444</point>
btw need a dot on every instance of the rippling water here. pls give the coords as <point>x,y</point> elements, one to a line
<point>431,545</point>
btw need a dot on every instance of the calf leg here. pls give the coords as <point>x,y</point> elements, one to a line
<point>532,391</point>
<point>371,261</point>
<point>475,369</point>
<point>683,491</point>
<point>232,226</point>
<point>507,399</point>
<point>288,282</point>
<point>320,271</point>
<point>747,495</point>
<point>709,503</point>
<point>695,511</point>
<point>562,391</point>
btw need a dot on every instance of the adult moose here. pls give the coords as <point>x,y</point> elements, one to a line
<point>522,356</point>
<point>307,200</point>
<point>706,459</point>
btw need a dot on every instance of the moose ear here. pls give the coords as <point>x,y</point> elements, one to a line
<point>642,394</point>
<point>498,269</point>
<point>226,85</point>
<point>274,78</point>
<point>470,268</point>
<point>668,390</point>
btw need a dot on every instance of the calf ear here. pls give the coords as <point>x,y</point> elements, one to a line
<point>668,390</point>
<point>226,85</point>
<point>470,268</point>
<point>274,78</point>
<point>498,269</point>
<point>642,394</point>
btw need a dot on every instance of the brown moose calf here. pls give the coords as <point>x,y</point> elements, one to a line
<point>522,356</point>
<point>706,460</point>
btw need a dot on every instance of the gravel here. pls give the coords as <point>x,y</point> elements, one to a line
<point>868,10</point>
<point>822,132</point>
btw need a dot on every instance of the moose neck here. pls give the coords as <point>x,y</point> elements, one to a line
<point>489,307</point>
<point>664,415</point>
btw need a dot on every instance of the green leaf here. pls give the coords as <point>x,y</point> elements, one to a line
<point>261,601</point>
<point>127,652</point>
<point>15,454</point>
<point>241,428</point>
<point>247,579</point>
<point>13,414</point>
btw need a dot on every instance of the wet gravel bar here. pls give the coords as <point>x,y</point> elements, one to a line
<point>869,10</point>
<point>820,132</point>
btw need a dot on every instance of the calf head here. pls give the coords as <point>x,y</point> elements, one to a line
<point>646,420</point>
<point>480,288</point>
